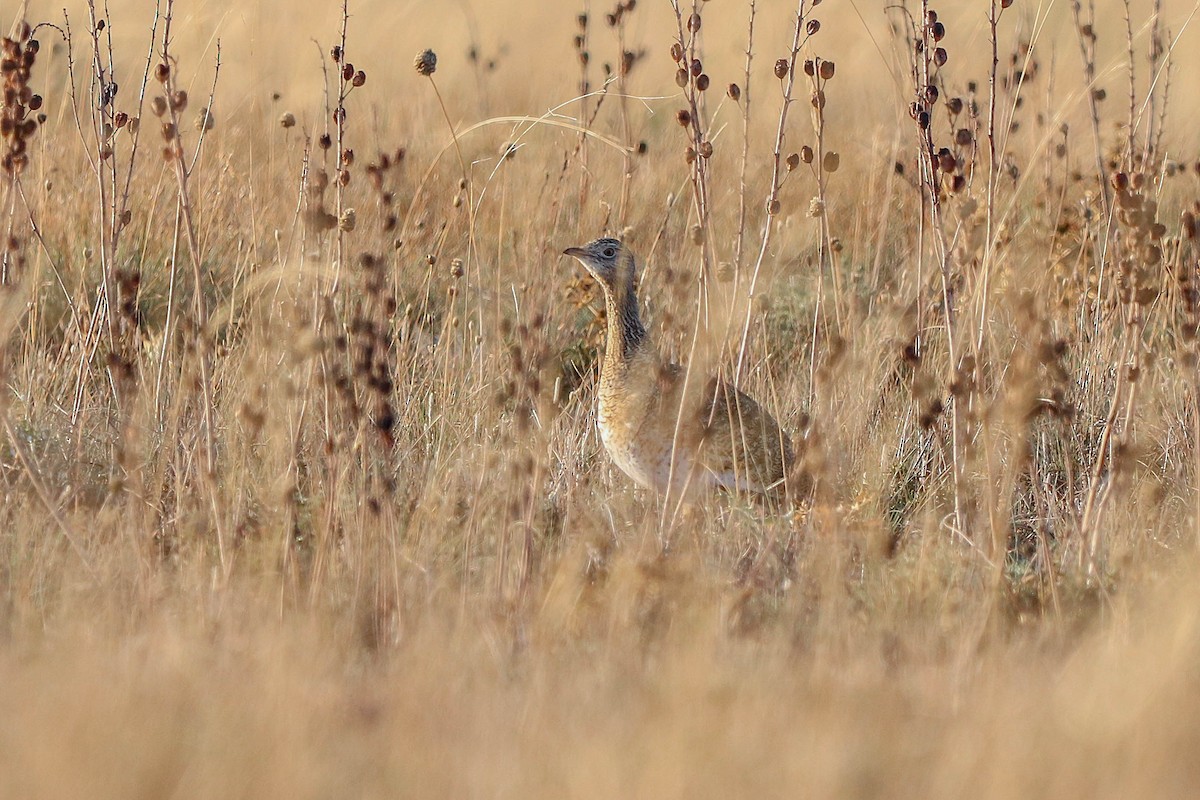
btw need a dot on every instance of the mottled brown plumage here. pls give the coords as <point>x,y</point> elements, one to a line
<point>649,408</point>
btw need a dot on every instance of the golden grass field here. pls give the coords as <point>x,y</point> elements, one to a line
<point>301,494</point>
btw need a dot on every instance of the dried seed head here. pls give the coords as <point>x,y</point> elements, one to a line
<point>348,220</point>
<point>831,161</point>
<point>963,137</point>
<point>773,207</point>
<point>456,268</point>
<point>179,100</point>
<point>793,161</point>
<point>681,78</point>
<point>287,120</point>
<point>159,106</point>
<point>205,120</point>
<point>694,22</point>
<point>425,63</point>
<point>955,105</point>
<point>161,73</point>
<point>827,70</point>
<point>938,31</point>
<point>816,208</point>
<point>702,82</point>
<point>809,68</point>
<point>781,68</point>
<point>806,154</point>
<point>705,150</point>
<point>735,92</point>
<point>940,57</point>
<point>1120,181</point>
<point>812,26</point>
<point>683,117</point>
<point>677,52</point>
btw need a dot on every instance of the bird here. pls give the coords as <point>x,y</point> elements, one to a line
<point>679,437</point>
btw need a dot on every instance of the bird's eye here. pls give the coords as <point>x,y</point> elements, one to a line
<point>609,252</point>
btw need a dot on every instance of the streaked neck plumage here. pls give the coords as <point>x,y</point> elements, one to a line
<point>626,334</point>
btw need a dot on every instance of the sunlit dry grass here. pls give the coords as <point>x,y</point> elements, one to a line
<point>300,489</point>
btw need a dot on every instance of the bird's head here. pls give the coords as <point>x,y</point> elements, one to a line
<point>608,260</point>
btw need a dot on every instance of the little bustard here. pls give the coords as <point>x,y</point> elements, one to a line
<point>716,436</point>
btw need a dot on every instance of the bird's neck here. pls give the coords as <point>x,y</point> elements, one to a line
<point>626,334</point>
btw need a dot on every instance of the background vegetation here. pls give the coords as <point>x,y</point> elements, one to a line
<point>300,489</point>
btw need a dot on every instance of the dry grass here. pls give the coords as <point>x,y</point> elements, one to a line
<point>300,490</point>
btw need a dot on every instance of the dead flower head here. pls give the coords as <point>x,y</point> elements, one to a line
<point>426,62</point>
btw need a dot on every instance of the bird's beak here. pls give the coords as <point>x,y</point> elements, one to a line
<point>575,252</point>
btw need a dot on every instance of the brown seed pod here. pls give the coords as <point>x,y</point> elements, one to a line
<point>781,68</point>
<point>706,149</point>
<point>681,78</point>
<point>793,161</point>
<point>425,63</point>
<point>963,137</point>
<point>683,117</point>
<point>806,154</point>
<point>694,22</point>
<point>827,70</point>
<point>161,73</point>
<point>831,161</point>
<point>287,120</point>
<point>940,57</point>
<point>179,100</point>
<point>735,92</point>
<point>159,106</point>
<point>359,79</point>
<point>702,82</point>
<point>677,52</point>
<point>809,68</point>
<point>812,27</point>
<point>697,68</point>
